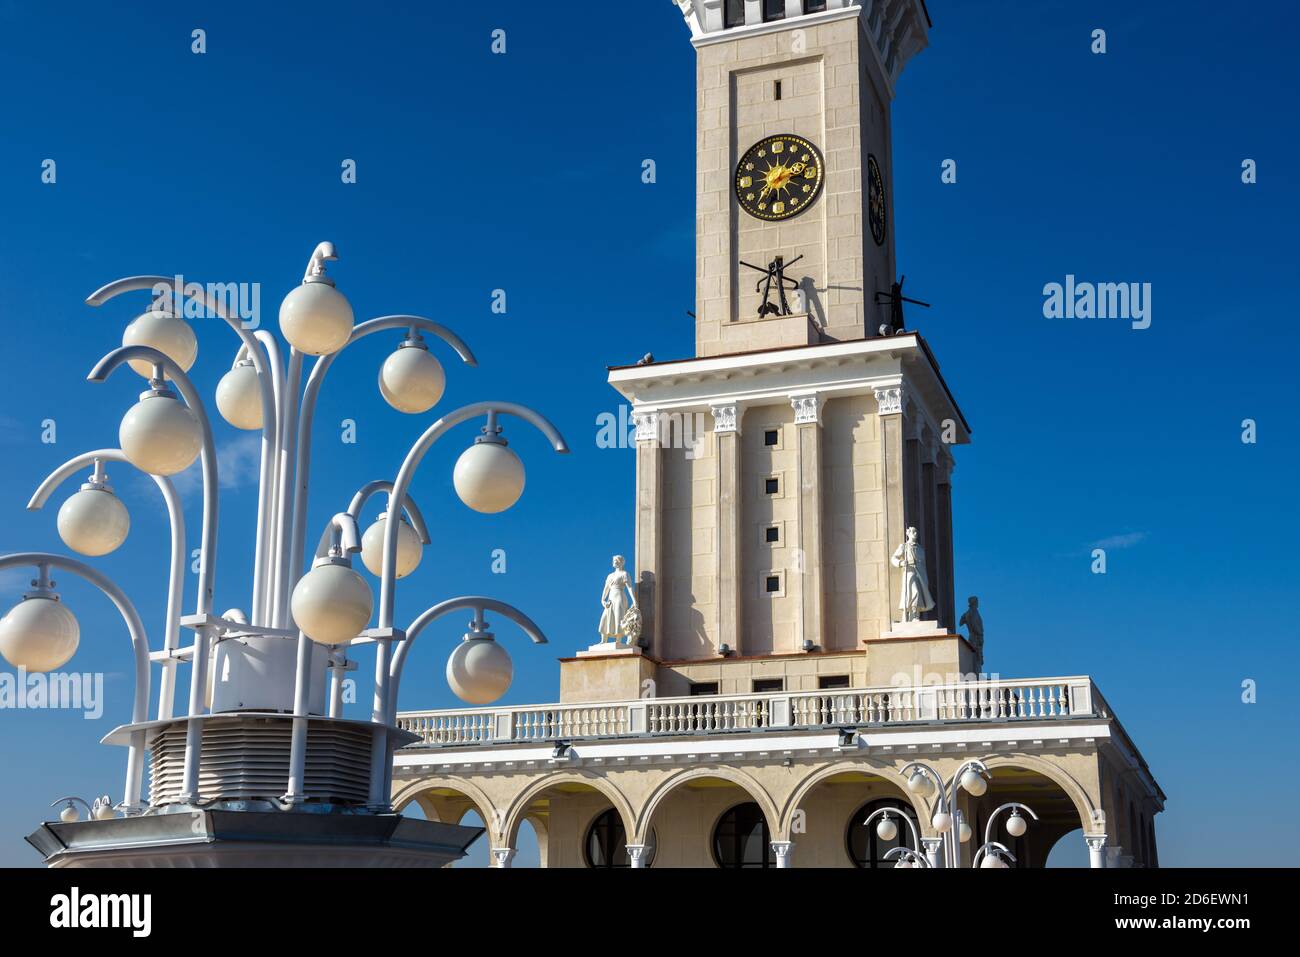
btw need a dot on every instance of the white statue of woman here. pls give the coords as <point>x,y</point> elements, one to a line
<point>915,597</point>
<point>617,598</point>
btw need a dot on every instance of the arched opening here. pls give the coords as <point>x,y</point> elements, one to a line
<point>449,805</point>
<point>1057,810</point>
<point>741,838</point>
<point>827,810</point>
<point>567,814</point>
<point>866,847</point>
<point>711,817</point>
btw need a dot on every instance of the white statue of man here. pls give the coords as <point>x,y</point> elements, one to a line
<point>915,596</point>
<point>618,599</point>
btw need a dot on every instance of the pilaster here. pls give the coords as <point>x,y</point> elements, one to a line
<point>809,559</point>
<point>726,430</point>
<point>649,533</point>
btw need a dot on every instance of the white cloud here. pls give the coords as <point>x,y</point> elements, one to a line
<point>238,463</point>
<point>1126,540</point>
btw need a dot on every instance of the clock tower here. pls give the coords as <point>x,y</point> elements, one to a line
<point>794,160</point>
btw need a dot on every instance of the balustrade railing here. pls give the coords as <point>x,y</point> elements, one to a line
<point>1027,699</point>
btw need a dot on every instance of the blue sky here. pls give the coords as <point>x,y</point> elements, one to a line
<point>522,172</point>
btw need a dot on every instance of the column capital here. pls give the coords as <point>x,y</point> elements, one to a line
<point>640,855</point>
<point>890,398</point>
<point>502,856</point>
<point>784,851</point>
<point>944,464</point>
<point>726,416</point>
<point>1095,842</point>
<point>647,424</point>
<point>807,408</point>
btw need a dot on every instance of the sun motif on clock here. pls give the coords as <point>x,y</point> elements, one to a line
<point>875,200</point>
<point>779,177</point>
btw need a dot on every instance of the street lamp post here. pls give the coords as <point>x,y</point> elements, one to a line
<point>303,612</point>
<point>990,854</point>
<point>948,820</point>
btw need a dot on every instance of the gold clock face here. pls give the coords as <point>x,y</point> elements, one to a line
<point>779,177</point>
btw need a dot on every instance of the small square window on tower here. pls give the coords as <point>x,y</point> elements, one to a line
<point>772,534</point>
<point>772,485</point>
<point>771,437</point>
<point>776,90</point>
<point>772,584</point>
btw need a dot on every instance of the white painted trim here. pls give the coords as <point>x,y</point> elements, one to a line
<point>776,26</point>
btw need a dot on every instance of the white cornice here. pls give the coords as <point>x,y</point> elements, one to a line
<point>832,370</point>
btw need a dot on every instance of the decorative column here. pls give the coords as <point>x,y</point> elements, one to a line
<point>726,429</point>
<point>808,561</point>
<point>649,527</point>
<point>928,510</point>
<point>946,596</point>
<point>502,856</point>
<point>640,855</point>
<point>933,850</point>
<point>1096,850</point>
<point>889,407</point>
<point>784,851</point>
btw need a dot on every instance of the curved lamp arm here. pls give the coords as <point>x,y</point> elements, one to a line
<point>911,827</point>
<point>176,575</point>
<point>478,605</point>
<point>266,392</point>
<point>342,531</point>
<point>984,849</point>
<point>134,283</point>
<point>412,461</point>
<point>311,393</point>
<point>929,772</point>
<point>988,830</point>
<point>207,545</point>
<point>412,510</point>
<point>139,648</point>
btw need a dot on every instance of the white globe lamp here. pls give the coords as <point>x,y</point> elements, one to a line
<point>39,634</point>
<point>331,603</point>
<point>489,477</point>
<point>920,784</point>
<point>160,434</point>
<point>169,334</point>
<point>993,860</point>
<point>316,318</point>
<point>69,814</point>
<point>974,782</point>
<point>411,380</point>
<point>479,670</point>
<point>886,830</point>
<point>963,832</point>
<point>1016,825</point>
<point>409,548</point>
<point>93,521</point>
<point>239,397</point>
<point>942,821</point>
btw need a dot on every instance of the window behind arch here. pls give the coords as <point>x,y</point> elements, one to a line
<point>866,849</point>
<point>606,843</point>
<point>741,838</point>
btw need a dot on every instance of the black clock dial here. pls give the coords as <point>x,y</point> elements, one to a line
<point>875,200</point>
<point>779,177</point>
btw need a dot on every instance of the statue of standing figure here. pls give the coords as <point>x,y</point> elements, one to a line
<point>974,624</point>
<point>621,617</point>
<point>915,596</point>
